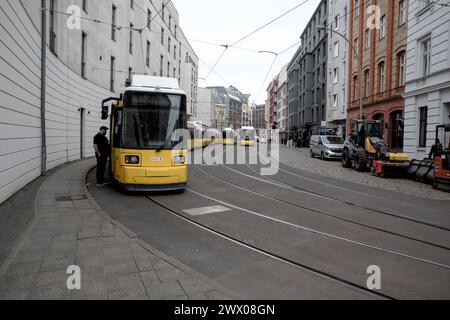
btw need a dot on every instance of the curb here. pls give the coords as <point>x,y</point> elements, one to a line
<point>153,250</point>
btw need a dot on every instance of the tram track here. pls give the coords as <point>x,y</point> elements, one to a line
<point>254,248</point>
<point>295,188</point>
<point>323,213</point>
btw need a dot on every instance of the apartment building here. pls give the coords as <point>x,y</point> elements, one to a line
<point>381,45</point>
<point>427,94</point>
<point>307,78</point>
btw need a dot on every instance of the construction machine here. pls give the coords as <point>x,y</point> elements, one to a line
<point>365,149</point>
<point>442,158</point>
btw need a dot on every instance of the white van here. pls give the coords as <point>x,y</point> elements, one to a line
<point>326,147</point>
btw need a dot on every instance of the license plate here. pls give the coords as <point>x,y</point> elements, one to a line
<point>157,159</point>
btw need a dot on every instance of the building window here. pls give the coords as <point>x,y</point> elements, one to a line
<point>112,74</point>
<point>356,8</point>
<point>381,77</point>
<point>426,56</point>
<point>355,88</point>
<point>401,69</point>
<point>163,11</point>
<point>336,75</point>
<point>336,22</point>
<point>161,66</point>
<point>168,69</point>
<point>130,73</point>
<point>113,23</point>
<point>382,27</point>
<point>162,36</point>
<point>336,50</point>
<point>335,101</point>
<point>149,20</point>
<point>169,44</point>
<point>52,26</point>
<point>131,38</point>
<point>367,37</point>
<point>355,46</point>
<point>83,54</point>
<point>367,83</point>
<point>147,57</point>
<point>402,12</point>
<point>423,123</point>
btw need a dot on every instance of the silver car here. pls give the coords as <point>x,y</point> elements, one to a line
<point>326,147</point>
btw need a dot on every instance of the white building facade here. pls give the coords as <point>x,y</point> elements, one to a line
<point>206,106</point>
<point>337,65</point>
<point>427,96</point>
<point>87,60</point>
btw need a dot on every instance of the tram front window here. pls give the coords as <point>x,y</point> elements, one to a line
<point>150,119</point>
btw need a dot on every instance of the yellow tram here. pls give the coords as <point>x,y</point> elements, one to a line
<point>229,137</point>
<point>247,136</point>
<point>144,156</point>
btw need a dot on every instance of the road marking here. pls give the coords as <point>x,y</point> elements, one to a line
<point>206,210</point>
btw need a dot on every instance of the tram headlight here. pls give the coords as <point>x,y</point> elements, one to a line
<point>179,160</point>
<point>132,160</point>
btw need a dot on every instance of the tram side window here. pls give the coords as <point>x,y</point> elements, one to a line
<point>117,128</point>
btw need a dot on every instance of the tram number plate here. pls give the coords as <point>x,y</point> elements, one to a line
<point>157,159</point>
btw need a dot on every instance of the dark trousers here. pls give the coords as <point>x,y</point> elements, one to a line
<point>101,166</point>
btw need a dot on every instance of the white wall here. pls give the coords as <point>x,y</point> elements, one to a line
<point>66,91</point>
<point>432,91</point>
<point>205,106</point>
<point>338,8</point>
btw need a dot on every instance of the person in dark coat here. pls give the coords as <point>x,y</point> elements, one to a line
<point>437,147</point>
<point>101,147</point>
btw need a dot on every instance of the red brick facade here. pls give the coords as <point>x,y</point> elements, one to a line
<point>383,61</point>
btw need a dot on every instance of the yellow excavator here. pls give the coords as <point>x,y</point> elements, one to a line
<point>365,149</point>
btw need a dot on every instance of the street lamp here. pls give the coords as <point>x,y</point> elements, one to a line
<point>271,52</point>
<point>355,51</point>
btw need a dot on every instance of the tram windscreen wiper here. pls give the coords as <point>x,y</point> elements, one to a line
<point>159,149</point>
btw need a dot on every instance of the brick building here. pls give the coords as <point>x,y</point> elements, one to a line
<point>382,52</point>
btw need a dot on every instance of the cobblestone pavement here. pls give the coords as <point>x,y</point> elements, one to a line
<point>299,158</point>
<point>70,229</point>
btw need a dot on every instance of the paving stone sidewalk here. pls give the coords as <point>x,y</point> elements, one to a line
<point>70,229</point>
<point>300,158</point>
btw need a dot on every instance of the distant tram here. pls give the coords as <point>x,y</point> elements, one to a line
<point>229,137</point>
<point>247,136</point>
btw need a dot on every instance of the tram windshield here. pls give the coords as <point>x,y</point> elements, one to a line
<point>150,119</point>
<point>228,134</point>
<point>248,134</point>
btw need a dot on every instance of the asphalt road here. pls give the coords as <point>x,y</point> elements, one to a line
<point>295,235</point>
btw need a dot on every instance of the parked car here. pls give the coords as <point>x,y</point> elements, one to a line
<point>326,147</point>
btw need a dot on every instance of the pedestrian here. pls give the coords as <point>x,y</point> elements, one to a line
<point>101,147</point>
<point>437,147</point>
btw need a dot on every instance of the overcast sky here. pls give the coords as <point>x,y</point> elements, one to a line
<point>226,21</point>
